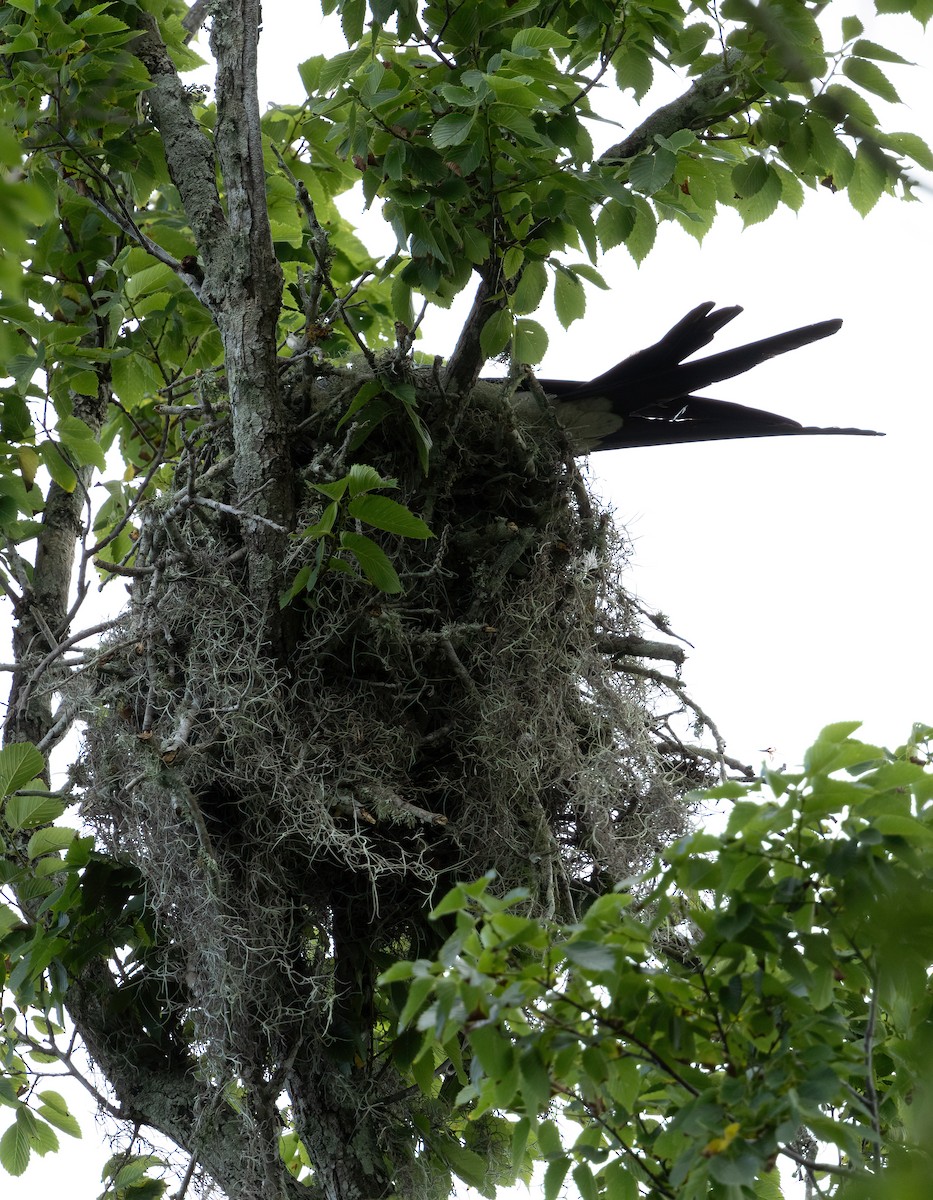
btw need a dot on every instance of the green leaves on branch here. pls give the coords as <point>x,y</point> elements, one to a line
<point>351,499</point>
<point>369,408</point>
<point>480,145</point>
<point>753,983</point>
<point>527,340</point>
<point>29,956</point>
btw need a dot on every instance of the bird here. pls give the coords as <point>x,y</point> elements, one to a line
<point>648,399</point>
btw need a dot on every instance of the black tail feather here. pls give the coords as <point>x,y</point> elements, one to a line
<point>647,399</point>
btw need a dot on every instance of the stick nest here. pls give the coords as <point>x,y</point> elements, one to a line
<point>294,821</point>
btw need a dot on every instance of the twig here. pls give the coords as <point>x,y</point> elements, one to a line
<point>870,1090</point>
<point>810,1165</point>
<point>59,649</point>
<point>632,644</point>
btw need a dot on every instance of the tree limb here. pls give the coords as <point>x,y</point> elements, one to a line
<point>693,110</point>
<point>242,279</point>
<point>467,360</point>
<point>638,647</point>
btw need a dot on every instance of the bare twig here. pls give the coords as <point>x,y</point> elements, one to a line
<point>632,644</point>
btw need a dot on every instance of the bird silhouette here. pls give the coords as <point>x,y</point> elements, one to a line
<point>648,399</point>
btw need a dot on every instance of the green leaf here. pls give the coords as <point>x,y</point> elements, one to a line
<point>363,478</point>
<point>569,297</point>
<point>466,1164</point>
<point>135,378</point>
<point>16,1145</point>
<point>591,956</point>
<point>512,261</point>
<point>535,1081</point>
<point>529,342</point>
<point>51,839</point>
<point>496,334</point>
<point>585,1182</point>
<point>383,513</point>
<point>26,812</point>
<point>536,38</point>
<point>851,27</point>
<point>54,1109</point>
<point>134,1170</point>
<point>529,289</point>
<point>452,130</point>
<point>871,78</point>
<point>352,14</point>
<point>644,231</point>
<point>792,193</point>
<point>868,180</point>
<point>911,146</point>
<point>762,204</point>
<point>618,1182</point>
<point>334,490</point>
<point>634,69</point>
<point>549,1142</point>
<point>866,49</point>
<point>367,391</point>
<point>493,1050</point>
<point>614,223</point>
<point>402,306</point>
<point>750,176</point>
<point>149,280</point>
<point>82,444</point>
<point>554,1177</point>
<point>590,274</point>
<point>373,562</point>
<point>417,994</point>
<point>20,762</point>
<point>907,827</point>
<point>839,100</point>
<point>768,1186</point>
<point>397,972</point>
<point>650,172</point>
<point>323,526</point>
<point>58,466</point>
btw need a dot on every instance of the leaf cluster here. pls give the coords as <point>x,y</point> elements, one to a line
<point>475,129</point>
<point>755,983</point>
<point>352,501</point>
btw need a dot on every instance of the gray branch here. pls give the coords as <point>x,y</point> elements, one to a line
<point>697,108</point>
<point>467,360</point>
<point>188,150</point>
<point>242,279</point>
<point>638,647</point>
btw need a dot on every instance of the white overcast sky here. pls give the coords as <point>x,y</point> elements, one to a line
<point>798,567</point>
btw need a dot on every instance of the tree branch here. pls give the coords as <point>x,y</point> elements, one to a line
<point>188,151</point>
<point>242,279</point>
<point>467,360</point>
<point>693,110</point>
<point>633,645</point>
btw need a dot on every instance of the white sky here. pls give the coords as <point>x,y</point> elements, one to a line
<point>797,567</point>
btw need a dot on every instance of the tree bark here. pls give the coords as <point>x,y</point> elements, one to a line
<point>242,285</point>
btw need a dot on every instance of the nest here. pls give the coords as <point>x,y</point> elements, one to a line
<point>294,822</point>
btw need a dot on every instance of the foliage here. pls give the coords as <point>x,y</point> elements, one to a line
<point>476,132</point>
<point>379,512</point>
<point>755,990</point>
<point>180,295</point>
